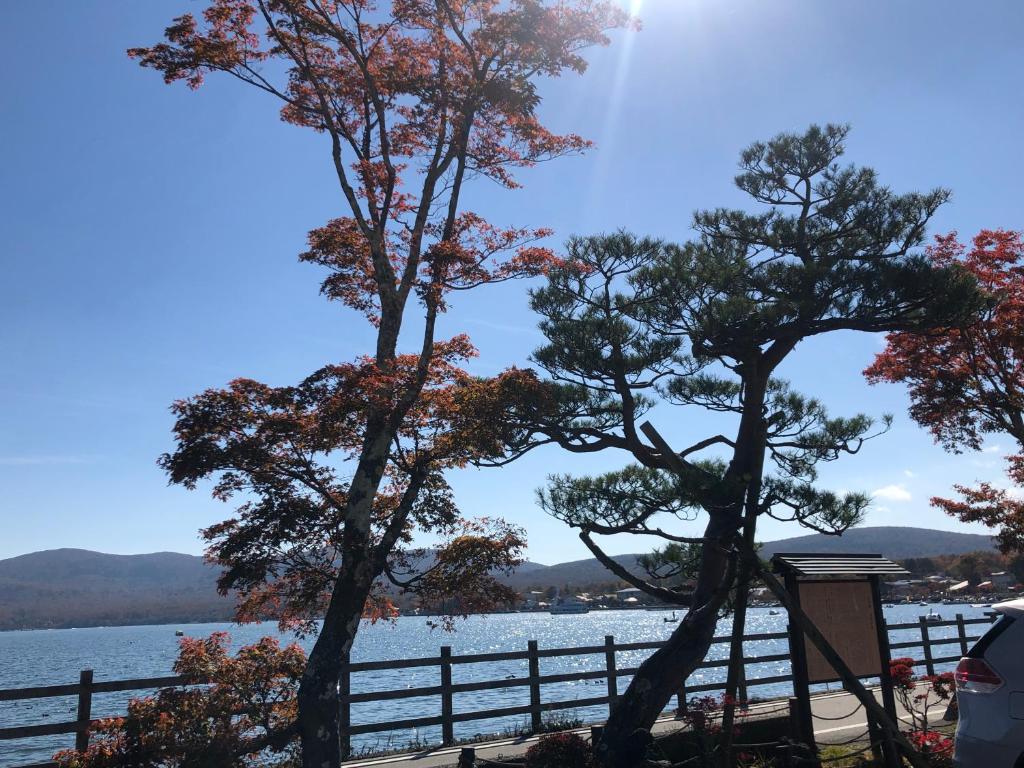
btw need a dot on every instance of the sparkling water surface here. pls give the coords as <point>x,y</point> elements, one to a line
<point>53,657</point>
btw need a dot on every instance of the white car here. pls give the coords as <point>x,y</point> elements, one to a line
<point>990,695</point>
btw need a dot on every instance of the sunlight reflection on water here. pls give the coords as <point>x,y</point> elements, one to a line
<point>49,657</point>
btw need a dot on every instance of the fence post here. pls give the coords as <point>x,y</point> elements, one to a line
<point>345,715</point>
<point>84,710</point>
<point>609,663</point>
<point>742,688</point>
<point>447,729</point>
<point>467,758</point>
<point>961,633</point>
<point>926,644</point>
<point>535,723</point>
<point>681,698</point>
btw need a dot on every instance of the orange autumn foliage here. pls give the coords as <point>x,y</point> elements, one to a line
<point>966,382</point>
<point>412,100</point>
<point>239,710</point>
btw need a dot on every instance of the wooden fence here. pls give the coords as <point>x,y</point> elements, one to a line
<point>447,690</point>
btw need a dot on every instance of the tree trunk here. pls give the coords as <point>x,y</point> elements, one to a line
<point>626,735</point>
<point>658,678</point>
<point>318,697</point>
<point>735,669</point>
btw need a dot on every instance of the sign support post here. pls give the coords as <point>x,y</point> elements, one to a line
<point>801,683</point>
<point>892,759</point>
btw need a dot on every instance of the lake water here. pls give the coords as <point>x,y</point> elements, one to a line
<point>51,657</point>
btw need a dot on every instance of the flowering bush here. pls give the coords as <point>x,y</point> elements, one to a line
<point>936,747</point>
<point>703,715</point>
<point>917,695</point>
<point>242,714</point>
<point>560,750</point>
<point>902,672</point>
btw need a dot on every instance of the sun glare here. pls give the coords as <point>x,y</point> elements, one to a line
<point>622,69</point>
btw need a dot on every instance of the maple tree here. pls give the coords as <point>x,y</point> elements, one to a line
<point>234,711</point>
<point>632,323</point>
<point>966,381</point>
<point>415,98</point>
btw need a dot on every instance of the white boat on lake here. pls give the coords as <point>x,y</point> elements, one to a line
<point>569,606</point>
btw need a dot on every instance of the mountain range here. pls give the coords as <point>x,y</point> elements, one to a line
<point>77,588</point>
<point>897,543</point>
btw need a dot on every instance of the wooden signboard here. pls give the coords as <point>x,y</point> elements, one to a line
<point>845,614</point>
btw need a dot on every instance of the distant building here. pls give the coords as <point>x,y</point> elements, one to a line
<point>532,599</point>
<point>904,586</point>
<point>1001,579</point>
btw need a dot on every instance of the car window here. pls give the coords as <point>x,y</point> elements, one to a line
<point>1001,625</point>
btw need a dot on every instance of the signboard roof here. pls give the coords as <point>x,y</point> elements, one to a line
<point>837,565</point>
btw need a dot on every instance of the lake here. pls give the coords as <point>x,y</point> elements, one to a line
<point>51,657</point>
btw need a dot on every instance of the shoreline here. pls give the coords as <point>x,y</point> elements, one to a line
<point>974,602</point>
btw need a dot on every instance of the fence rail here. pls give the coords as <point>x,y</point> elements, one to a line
<point>447,689</point>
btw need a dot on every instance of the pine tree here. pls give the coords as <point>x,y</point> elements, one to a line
<point>634,322</point>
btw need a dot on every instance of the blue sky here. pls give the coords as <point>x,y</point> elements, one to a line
<point>149,235</point>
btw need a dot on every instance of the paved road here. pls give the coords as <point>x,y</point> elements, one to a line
<point>838,718</point>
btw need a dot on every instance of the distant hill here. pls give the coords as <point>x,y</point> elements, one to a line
<point>894,542</point>
<point>77,588</point>
<point>578,573</point>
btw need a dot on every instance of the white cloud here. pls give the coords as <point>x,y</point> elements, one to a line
<point>908,473</point>
<point>892,493</point>
<point>994,449</point>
